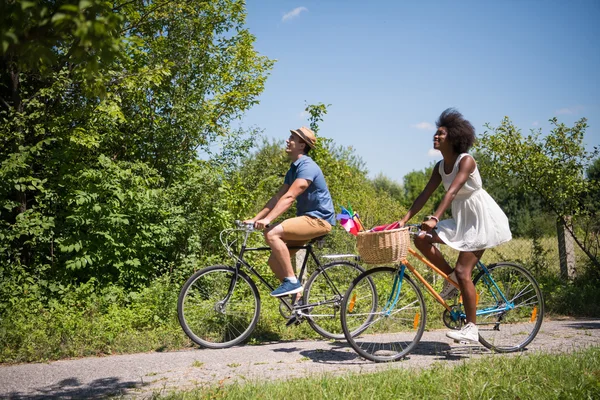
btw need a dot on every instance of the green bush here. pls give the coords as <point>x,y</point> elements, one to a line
<point>89,320</point>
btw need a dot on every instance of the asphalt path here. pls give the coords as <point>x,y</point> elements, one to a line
<point>144,375</point>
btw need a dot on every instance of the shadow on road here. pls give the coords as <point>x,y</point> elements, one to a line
<point>584,325</point>
<point>341,352</point>
<point>71,388</point>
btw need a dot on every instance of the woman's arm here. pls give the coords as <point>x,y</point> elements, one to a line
<point>434,182</point>
<point>465,168</point>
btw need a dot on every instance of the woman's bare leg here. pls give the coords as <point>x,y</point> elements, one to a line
<point>464,269</point>
<point>430,252</point>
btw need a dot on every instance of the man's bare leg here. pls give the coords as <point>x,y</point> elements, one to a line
<point>279,261</point>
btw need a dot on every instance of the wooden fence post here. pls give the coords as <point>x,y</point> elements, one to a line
<point>566,250</point>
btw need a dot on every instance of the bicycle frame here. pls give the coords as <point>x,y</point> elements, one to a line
<point>489,281</point>
<point>309,254</point>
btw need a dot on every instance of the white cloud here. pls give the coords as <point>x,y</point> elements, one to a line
<point>564,111</point>
<point>424,126</point>
<point>293,14</point>
<point>569,110</point>
<point>434,153</point>
<point>535,123</point>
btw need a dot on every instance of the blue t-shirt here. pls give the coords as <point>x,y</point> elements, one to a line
<point>315,200</point>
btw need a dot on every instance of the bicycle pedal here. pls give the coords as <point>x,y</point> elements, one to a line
<point>293,320</point>
<point>461,341</point>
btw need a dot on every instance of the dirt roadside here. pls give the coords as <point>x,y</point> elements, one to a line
<point>141,375</point>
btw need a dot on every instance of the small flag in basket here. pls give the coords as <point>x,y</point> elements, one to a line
<point>350,221</point>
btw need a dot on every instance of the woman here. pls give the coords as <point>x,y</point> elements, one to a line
<point>477,221</point>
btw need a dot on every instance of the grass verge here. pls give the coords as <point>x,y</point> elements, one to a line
<point>533,376</point>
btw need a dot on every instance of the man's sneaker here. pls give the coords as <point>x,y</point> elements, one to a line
<point>286,288</point>
<point>469,333</point>
<point>449,291</point>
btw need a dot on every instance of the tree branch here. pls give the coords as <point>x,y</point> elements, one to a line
<point>146,15</point>
<point>4,103</point>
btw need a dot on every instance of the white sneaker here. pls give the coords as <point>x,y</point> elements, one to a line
<point>448,290</point>
<point>469,333</point>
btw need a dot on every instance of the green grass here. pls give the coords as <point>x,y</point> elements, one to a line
<point>535,376</point>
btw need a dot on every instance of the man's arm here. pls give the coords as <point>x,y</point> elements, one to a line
<point>283,203</point>
<point>270,204</point>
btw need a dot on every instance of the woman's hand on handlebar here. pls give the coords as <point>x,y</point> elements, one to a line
<point>428,224</point>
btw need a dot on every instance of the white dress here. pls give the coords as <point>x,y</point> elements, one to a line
<point>477,221</point>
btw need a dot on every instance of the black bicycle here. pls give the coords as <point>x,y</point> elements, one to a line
<point>219,306</point>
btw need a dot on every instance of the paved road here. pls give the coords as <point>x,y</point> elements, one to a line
<point>141,375</point>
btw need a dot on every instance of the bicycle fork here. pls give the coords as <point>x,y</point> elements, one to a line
<point>395,292</point>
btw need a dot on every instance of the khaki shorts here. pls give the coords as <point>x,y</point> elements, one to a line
<point>300,230</point>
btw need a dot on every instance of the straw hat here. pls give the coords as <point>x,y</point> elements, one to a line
<point>307,135</point>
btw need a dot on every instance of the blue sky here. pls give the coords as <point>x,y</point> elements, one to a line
<point>389,68</point>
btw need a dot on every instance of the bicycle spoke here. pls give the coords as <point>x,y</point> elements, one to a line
<point>212,316</point>
<point>396,323</point>
<point>323,296</point>
<point>509,329</point>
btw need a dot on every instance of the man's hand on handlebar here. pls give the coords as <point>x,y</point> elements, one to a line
<point>262,223</point>
<point>258,224</point>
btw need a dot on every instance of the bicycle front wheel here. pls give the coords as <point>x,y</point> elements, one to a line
<point>216,312</point>
<point>324,291</point>
<point>509,318</point>
<point>391,317</point>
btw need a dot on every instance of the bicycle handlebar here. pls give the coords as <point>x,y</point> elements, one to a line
<point>417,229</point>
<point>246,227</point>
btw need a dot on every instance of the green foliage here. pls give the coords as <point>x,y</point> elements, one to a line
<point>384,184</point>
<point>414,183</point>
<point>593,199</point>
<point>90,320</point>
<point>39,35</point>
<point>100,132</point>
<point>577,298</point>
<point>552,166</point>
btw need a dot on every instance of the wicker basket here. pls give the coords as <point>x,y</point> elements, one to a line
<point>383,247</point>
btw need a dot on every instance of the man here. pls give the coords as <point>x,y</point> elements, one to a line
<point>315,214</point>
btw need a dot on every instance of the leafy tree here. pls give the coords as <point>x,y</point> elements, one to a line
<point>593,175</point>
<point>103,109</point>
<point>551,166</point>
<point>527,214</point>
<point>384,184</point>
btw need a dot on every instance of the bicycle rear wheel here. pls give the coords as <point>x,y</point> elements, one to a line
<point>209,316</point>
<point>508,327</point>
<point>326,288</point>
<point>392,318</point>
